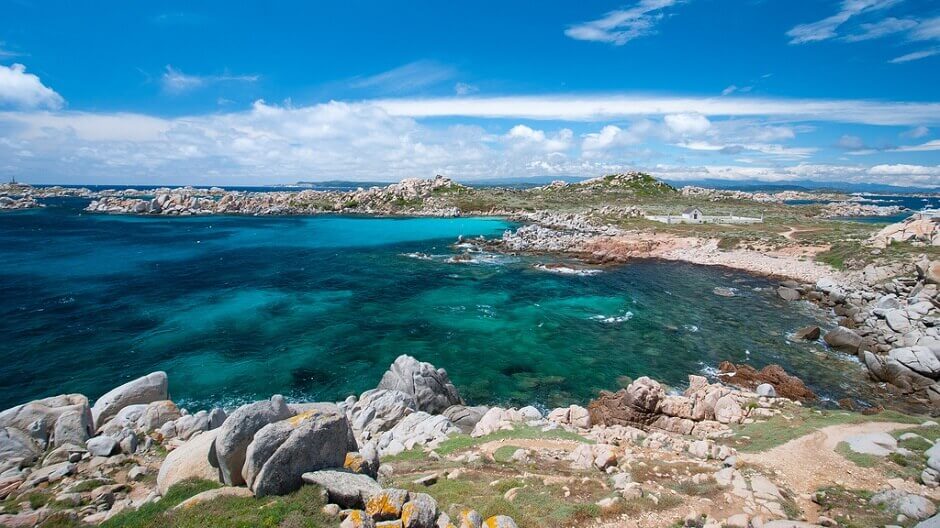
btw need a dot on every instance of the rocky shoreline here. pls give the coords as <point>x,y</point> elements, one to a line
<point>93,463</point>
<point>595,242</point>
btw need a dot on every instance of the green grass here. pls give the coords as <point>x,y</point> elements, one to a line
<point>88,485</point>
<point>504,453</point>
<point>709,488</point>
<point>850,508</point>
<point>461,442</point>
<point>763,435</point>
<point>535,504</point>
<point>859,459</point>
<point>301,509</point>
<point>36,499</point>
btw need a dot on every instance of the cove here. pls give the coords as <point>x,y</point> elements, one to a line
<point>316,308</point>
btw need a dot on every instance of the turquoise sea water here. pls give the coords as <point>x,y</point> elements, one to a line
<point>239,308</point>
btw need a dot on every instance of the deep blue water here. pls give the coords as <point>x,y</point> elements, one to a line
<point>238,308</point>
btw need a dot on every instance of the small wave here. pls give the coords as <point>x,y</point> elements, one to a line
<point>690,328</point>
<point>489,259</point>
<point>613,319</point>
<point>565,270</point>
<point>419,256</point>
<point>709,371</point>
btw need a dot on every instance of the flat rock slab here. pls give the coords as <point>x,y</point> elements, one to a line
<point>348,490</point>
<point>878,444</point>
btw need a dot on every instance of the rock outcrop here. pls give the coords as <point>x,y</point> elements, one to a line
<point>747,377</point>
<point>430,387</point>
<point>150,388</point>
<point>238,431</point>
<point>189,460</point>
<point>281,452</point>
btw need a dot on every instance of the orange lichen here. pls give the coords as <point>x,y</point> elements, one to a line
<point>296,419</point>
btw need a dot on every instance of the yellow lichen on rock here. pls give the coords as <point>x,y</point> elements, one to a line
<point>353,462</point>
<point>295,420</point>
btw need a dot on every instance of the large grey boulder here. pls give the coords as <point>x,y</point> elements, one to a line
<point>17,448</point>
<point>378,410</point>
<point>283,451</point>
<point>419,512</point>
<point>877,444</point>
<point>189,425</point>
<point>72,428</point>
<point>158,413</point>
<point>887,302</point>
<point>39,417</point>
<point>430,387</point>
<point>891,371</point>
<point>464,417</point>
<point>348,490</point>
<point>897,320</point>
<point>103,446</point>
<point>326,407</point>
<point>844,339</point>
<point>190,460</point>
<point>907,504</point>
<point>920,359</point>
<point>415,429</point>
<point>238,431</point>
<point>933,522</point>
<point>150,388</point>
<point>126,419</point>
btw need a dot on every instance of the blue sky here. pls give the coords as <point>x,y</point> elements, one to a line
<point>251,93</point>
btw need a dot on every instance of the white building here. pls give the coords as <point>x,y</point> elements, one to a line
<point>693,213</point>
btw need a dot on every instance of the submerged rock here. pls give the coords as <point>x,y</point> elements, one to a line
<point>808,333</point>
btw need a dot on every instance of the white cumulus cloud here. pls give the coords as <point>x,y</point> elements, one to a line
<point>687,124</point>
<point>24,90</point>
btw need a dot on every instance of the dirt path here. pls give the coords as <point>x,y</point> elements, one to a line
<point>807,463</point>
<point>791,231</point>
<point>810,462</point>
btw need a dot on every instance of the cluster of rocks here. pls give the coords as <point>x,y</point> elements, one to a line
<point>91,459</point>
<point>852,209</point>
<point>79,453</point>
<point>917,229</point>
<point>17,202</point>
<point>704,410</point>
<point>410,196</point>
<point>362,503</point>
<point>892,325</point>
<point>716,195</point>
